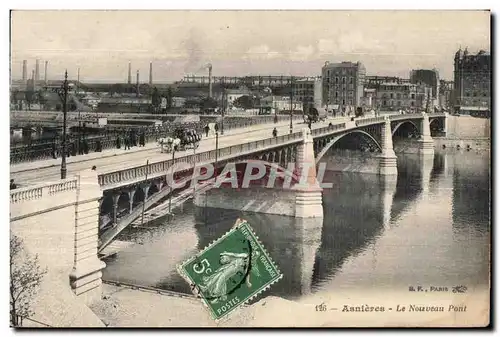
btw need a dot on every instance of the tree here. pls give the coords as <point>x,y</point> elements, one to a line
<point>245,102</point>
<point>25,278</point>
<point>155,99</point>
<point>170,98</point>
<point>29,95</point>
<point>41,98</point>
<point>208,103</point>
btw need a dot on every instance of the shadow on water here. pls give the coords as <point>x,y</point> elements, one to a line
<point>358,210</point>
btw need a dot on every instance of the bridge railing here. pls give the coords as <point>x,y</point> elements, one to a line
<point>327,129</point>
<point>108,139</point>
<point>153,169</point>
<point>370,120</point>
<point>31,193</point>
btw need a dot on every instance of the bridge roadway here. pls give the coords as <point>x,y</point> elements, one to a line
<point>118,159</point>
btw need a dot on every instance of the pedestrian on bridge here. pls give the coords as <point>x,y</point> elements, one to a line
<point>207,129</point>
<point>13,185</point>
<point>126,142</point>
<point>275,133</point>
<point>118,142</point>
<point>142,139</point>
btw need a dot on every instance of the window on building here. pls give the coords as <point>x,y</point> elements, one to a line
<point>412,96</point>
<point>412,103</point>
<point>399,103</point>
<point>343,79</point>
<point>392,95</point>
<point>343,102</point>
<point>336,94</point>
<point>398,95</point>
<point>336,80</point>
<point>384,102</point>
<point>351,80</point>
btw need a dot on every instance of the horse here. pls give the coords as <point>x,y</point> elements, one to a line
<point>169,142</point>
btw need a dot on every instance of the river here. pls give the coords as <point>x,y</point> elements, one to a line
<point>429,226</point>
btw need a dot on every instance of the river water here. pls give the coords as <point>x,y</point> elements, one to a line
<point>429,226</point>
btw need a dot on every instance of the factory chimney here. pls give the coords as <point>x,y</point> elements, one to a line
<point>209,80</point>
<point>45,73</point>
<point>32,84</point>
<point>150,73</point>
<point>137,80</point>
<point>129,73</point>
<point>37,70</point>
<point>25,71</point>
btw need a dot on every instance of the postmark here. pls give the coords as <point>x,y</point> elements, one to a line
<point>231,271</point>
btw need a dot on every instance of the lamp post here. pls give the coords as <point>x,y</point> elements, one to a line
<point>223,111</point>
<point>291,100</point>
<point>216,148</point>
<point>170,197</point>
<point>63,95</point>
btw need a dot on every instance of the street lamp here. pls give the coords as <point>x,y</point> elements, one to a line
<point>223,111</point>
<point>291,101</point>
<point>63,95</point>
<point>216,148</point>
<point>171,190</point>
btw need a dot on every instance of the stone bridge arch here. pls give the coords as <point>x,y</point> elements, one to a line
<point>406,123</point>
<point>335,139</point>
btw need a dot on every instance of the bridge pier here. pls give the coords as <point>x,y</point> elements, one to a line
<point>85,278</point>
<point>308,197</point>
<point>426,143</point>
<point>388,159</point>
<point>116,197</point>
<point>131,195</point>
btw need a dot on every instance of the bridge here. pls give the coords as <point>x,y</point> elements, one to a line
<point>71,247</point>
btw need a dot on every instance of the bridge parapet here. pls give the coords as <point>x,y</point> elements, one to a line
<point>327,129</point>
<point>42,191</point>
<point>370,120</point>
<point>136,174</point>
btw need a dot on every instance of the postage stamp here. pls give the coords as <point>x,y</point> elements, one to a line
<point>231,271</point>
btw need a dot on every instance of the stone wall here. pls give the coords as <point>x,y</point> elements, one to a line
<point>46,217</point>
<point>260,200</point>
<point>467,127</point>
<point>351,161</point>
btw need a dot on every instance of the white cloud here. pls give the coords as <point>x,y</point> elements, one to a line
<point>302,53</point>
<point>326,46</point>
<point>261,52</point>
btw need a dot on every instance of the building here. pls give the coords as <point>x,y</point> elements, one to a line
<point>446,94</point>
<point>279,104</point>
<point>343,84</point>
<point>231,95</point>
<point>429,78</point>
<point>472,82</point>
<point>369,99</point>
<point>309,92</point>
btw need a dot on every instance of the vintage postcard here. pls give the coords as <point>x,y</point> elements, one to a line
<point>250,168</point>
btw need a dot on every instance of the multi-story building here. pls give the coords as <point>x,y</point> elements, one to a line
<point>446,94</point>
<point>429,77</point>
<point>343,84</point>
<point>472,82</point>
<point>280,104</point>
<point>309,92</point>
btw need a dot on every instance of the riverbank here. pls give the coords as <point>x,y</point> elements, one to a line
<point>124,306</point>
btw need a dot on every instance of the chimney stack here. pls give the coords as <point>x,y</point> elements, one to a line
<point>32,84</point>
<point>209,81</point>
<point>25,71</point>
<point>37,70</point>
<point>129,73</point>
<point>151,73</point>
<point>137,83</point>
<point>45,73</point>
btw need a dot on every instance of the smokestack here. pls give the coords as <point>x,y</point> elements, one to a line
<point>37,70</point>
<point>150,73</point>
<point>129,73</point>
<point>209,81</point>
<point>25,71</point>
<point>32,84</point>
<point>45,73</point>
<point>137,82</point>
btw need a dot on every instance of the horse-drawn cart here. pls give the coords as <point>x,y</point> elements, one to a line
<point>182,140</point>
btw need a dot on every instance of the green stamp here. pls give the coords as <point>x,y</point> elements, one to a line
<point>229,272</point>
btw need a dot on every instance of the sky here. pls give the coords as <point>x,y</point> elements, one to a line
<point>239,43</point>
